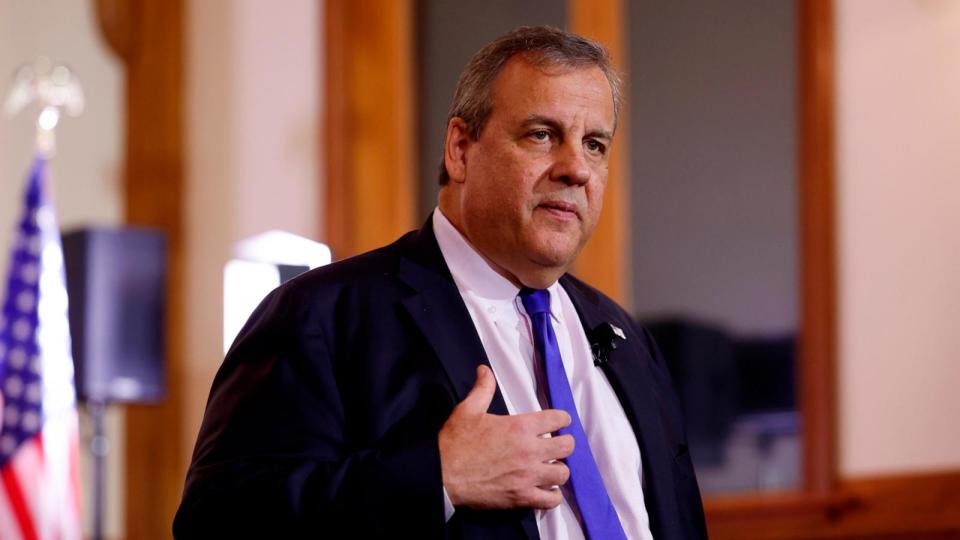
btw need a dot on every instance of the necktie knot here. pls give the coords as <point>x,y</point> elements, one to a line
<point>535,301</point>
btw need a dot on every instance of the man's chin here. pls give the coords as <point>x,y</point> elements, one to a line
<point>547,267</point>
<point>555,251</point>
<point>541,278</point>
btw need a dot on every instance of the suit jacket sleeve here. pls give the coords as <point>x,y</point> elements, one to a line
<point>276,455</point>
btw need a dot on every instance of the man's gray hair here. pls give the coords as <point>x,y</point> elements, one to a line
<point>541,46</point>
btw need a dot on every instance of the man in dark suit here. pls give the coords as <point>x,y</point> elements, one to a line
<point>458,383</point>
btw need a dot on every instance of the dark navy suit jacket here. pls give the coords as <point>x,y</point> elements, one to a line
<point>323,420</point>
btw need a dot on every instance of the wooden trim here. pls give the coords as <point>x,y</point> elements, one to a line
<point>604,260</point>
<point>916,506</point>
<point>818,318</point>
<point>147,35</point>
<point>816,507</point>
<point>368,123</point>
<point>113,19</point>
<point>334,133</point>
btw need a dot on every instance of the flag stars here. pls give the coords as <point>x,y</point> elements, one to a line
<point>21,329</point>
<point>17,357</point>
<point>13,387</point>
<point>26,301</point>
<point>7,444</point>
<point>33,393</point>
<point>11,416</point>
<point>30,421</point>
<point>33,245</point>
<point>29,273</point>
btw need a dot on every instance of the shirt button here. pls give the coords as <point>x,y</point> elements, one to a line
<point>491,310</point>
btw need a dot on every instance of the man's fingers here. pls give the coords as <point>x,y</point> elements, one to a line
<point>548,421</point>
<point>542,498</point>
<point>480,396</point>
<point>557,447</point>
<point>522,467</point>
<point>552,474</point>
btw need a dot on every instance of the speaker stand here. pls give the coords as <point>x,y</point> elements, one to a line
<point>99,447</point>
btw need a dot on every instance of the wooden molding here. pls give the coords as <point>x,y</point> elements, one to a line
<point>604,260</point>
<point>147,35</point>
<point>818,319</point>
<point>907,507</point>
<point>368,124</point>
<point>115,19</point>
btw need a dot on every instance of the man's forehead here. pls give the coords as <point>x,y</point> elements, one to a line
<point>529,70</point>
<point>528,85</point>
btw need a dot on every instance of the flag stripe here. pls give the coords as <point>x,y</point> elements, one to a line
<point>38,442</point>
<point>32,479</point>
<point>7,519</point>
<point>74,479</point>
<point>19,505</point>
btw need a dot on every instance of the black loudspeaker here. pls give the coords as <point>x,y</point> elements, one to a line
<point>116,282</point>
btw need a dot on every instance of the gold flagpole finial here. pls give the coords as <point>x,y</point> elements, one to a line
<point>49,89</point>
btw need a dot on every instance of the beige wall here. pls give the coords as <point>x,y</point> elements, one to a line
<point>898,123</point>
<point>251,100</point>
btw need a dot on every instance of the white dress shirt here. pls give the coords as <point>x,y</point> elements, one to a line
<point>507,338</point>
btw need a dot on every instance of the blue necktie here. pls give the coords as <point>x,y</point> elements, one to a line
<point>600,519</point>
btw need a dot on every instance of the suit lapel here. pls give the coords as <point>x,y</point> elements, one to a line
<point>439,312</point>
<point>629,372</point>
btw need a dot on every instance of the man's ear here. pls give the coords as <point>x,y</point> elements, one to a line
<point>455,149</point>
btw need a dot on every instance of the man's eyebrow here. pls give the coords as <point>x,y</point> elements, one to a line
<point>600,134</point>
<point>543,120</point>
<point>534,119</point>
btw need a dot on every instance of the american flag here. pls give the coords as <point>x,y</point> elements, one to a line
<point>39,484</point>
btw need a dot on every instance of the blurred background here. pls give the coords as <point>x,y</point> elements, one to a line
<point>783,214</point>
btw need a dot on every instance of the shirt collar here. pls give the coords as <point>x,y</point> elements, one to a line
<point>473,273</point>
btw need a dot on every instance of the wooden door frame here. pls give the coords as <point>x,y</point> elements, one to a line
<point>368,125</point>
<point>147,36</point>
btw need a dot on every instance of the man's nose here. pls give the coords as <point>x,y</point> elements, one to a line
<point>571,165</point>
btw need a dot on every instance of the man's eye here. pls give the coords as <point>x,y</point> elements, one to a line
<point>595,146</point>
<point>540,135</point>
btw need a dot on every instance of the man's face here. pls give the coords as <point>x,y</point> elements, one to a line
<point>532,183</point>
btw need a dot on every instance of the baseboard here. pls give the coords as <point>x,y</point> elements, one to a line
<point>901,507</point>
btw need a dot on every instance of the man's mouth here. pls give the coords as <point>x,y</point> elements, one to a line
<point>560,209</point>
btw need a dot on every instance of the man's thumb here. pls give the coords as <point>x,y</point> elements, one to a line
<point>480,396</point>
